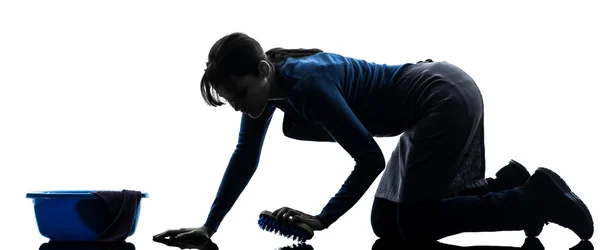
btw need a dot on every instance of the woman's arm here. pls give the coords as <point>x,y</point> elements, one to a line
<point>242,165</point>
<point>321,101</point>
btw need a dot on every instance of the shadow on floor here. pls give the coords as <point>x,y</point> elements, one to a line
<point>86,246</point>
<point>529,244</point>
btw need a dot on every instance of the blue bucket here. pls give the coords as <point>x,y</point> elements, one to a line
<point>71,215</point>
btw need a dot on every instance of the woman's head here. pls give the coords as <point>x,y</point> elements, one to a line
<point>240,72</point>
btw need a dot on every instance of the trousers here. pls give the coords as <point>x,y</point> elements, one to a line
<point>443,152</point>
<point>508,210</point>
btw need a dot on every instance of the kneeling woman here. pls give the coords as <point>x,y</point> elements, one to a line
<point>432,187</point>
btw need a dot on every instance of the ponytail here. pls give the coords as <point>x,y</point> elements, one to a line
<point>279,55</point>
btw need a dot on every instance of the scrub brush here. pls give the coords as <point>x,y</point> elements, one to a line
<point>298,232</point>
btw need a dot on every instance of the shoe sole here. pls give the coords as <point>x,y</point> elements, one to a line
<point>566,190</point>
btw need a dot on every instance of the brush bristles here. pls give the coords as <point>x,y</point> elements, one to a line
<point>298,246</point>
<point>269,223</point>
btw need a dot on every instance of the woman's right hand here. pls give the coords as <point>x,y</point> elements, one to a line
<point>198,235</point>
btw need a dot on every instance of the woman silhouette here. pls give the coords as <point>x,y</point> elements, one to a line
<point>427,188</point>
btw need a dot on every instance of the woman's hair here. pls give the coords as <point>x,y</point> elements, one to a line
<point>237,54</point>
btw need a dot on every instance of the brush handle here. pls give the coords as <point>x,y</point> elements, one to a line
<point>269,214</point>
<point>306,227</point>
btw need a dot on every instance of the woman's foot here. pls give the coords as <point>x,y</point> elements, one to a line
<point>510,176</point>
<point>556,203</point>
<point>515,175</point>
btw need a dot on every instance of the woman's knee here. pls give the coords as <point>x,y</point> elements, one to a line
<point>417,221</point>
<point>383,219</point>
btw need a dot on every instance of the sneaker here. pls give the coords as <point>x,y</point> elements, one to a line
<point>556,203</point>
<point>583,245</point>
<point>512,175</point>
<point>515,175</point>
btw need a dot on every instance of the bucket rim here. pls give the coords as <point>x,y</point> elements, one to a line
<point>69,194</point>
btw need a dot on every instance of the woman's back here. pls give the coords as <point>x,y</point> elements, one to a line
<point>371,90</point>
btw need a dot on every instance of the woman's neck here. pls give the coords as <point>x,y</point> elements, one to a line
<point>276,89</point>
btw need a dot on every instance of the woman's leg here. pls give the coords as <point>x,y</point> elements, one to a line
<point>444,150</point>
<point>508,177</point>
<point>544,197</point>
<point>433,218</point>
<point>383,219</point>
<point>433,153</point>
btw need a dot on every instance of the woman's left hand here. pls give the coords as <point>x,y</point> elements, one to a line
<point>288,215</point>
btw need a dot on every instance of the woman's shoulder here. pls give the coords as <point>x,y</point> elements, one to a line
<point>301,66</point>
<point>298,72</point>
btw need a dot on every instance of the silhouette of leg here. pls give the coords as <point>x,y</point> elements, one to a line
<point>383,219</point>
<point>510,176</point>
<point>496,211</point>
<point>544,197</point>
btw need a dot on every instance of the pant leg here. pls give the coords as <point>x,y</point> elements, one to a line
<point>384,213</point>
<point>510,210</point>
<point>433,154</point>
<point>383,219</point>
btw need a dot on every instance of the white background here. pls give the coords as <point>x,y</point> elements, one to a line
<point>105,95</point>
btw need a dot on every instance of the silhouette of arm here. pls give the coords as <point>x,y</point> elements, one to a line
<point>321,101</point>
<point>241,167</point>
